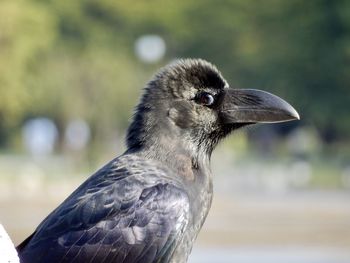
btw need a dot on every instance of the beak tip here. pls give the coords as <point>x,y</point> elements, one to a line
<point>295,115</point>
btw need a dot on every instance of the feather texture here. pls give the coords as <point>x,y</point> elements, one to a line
<point>115,216</point>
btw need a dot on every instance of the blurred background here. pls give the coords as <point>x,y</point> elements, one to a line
<point>72,71</point>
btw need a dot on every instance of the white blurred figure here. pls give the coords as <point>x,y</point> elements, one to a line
<point>304,141</point>
<point>77,135</point>
<point>300,174</point>
<point>8,253</point>
<point>345,177</point>
<point>274,179</point>
<point>40,136</point>
<point>150,48</point>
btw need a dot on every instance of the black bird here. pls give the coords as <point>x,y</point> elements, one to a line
<point>149,204</point>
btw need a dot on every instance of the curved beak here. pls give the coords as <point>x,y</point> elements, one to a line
<point>255,106</point>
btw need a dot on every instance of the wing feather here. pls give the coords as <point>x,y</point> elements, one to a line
<point>125,213</point>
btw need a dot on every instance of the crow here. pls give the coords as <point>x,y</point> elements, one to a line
<point>149,204</point>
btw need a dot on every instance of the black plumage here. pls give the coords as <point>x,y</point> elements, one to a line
<point>149,204</point>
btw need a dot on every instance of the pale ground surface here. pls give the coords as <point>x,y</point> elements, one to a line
<point>297,227</point>
<point>311,227</point>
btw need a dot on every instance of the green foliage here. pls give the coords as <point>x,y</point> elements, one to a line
<point>26,32</point>
<point>67,59</point>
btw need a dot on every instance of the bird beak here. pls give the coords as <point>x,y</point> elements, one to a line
<point>255,106</point>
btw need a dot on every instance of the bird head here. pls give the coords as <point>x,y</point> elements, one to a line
<point>189,103</point>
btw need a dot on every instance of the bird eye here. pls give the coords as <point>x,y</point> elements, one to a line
<point>205,98</point>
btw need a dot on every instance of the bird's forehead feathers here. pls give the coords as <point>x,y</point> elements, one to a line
<point>185,76</point>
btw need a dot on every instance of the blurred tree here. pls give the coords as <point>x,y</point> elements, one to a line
<point>75,59</point>
<point>26,32</point>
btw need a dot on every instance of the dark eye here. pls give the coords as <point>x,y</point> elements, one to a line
<point>205,98</point>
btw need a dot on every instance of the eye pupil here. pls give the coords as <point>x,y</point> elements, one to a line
<point>206,99</point>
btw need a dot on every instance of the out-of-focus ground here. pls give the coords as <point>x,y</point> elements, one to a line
<point>304,219</point>
<point>250,220</point>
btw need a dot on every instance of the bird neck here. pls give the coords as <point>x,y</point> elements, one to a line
<point>172,147</point>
